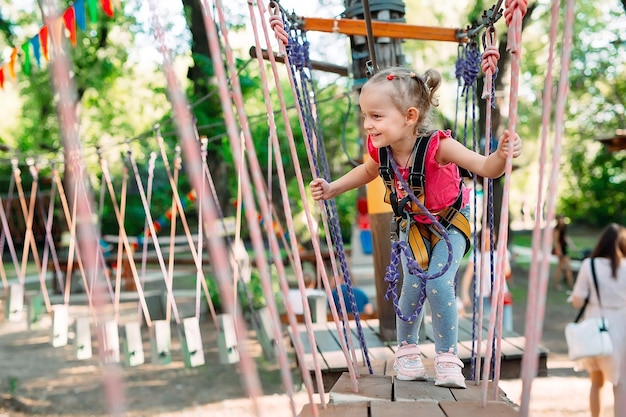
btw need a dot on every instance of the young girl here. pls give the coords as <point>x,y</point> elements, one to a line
<point>396,104</point>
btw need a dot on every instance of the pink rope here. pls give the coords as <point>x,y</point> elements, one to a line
<point>529,371</point>
<point>490,63</point>
<point>297,264</point>
<point>87,236</point>
<point>514,14</point>
<point>281,36</point>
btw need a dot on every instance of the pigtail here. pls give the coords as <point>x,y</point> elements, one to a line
<point>432,81</point>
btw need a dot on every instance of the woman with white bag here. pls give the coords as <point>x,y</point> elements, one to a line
<point>609,258</point>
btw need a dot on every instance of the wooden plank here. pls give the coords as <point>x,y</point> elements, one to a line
<point>394,30</point>
<point>475,409</point>
<point>371,388</point>
<point>416,408</point>
<point>420,391</point>
<point>376,348</point>
<point>473,392</point>
<point>329,348</point>
<point>358,409</point>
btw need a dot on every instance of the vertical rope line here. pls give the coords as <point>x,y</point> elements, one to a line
<point>144,242</point>
<point>533,287</point>
<point>264,204</point>
<point>277,25</point>
<point>286,207</point>
<point>331,222</point>
<point>563,88</point>
<point>514,14</point>
<point>88,238</point>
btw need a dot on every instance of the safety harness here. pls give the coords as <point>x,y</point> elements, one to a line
<point>406,208</point>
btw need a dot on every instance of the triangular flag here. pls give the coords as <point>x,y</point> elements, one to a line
<point>36,49</point>
<point>43,38</point>
<point>79,10</point>
<point>56,34</point>
<point>2,77</point>
<point>93,10</point>
<point>12,63</point>
<point>70,23</point>
<point>26,65</point>
<point>107,7</point>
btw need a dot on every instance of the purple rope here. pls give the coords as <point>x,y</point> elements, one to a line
<point>392,275</point>
<point>298,51</point>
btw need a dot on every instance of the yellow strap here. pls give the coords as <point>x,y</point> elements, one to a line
<point>420,231</point>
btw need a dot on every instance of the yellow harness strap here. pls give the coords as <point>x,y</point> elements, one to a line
<point>420,231</point>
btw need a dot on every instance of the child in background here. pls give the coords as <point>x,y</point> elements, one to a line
<point>395,104</point>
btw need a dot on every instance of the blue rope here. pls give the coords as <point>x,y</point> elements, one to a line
<point>298,53</point>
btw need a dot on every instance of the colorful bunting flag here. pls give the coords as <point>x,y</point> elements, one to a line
<point>26,64</point>
<point>92,6</point>
<point>107,7</point>
<point>43,39</point>
<point>79,10</point>
<point>69,18</point>
<point>12,63</point>
<point>36,49</point>
<point>52,34</point>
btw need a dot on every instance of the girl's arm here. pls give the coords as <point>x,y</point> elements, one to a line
<point>357,177</point>
<point>491,166</point>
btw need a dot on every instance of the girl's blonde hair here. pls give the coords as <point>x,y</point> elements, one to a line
<point>408,89</point>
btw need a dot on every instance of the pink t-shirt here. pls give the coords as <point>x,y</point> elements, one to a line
<point>441,183</point>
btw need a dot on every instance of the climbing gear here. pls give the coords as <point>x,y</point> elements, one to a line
<point>405,209</point>
<point>408,364</point>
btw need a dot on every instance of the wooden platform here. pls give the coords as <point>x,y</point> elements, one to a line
<point>382,395</point>
<point>333,362</point>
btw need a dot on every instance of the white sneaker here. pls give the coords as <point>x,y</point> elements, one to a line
<point>408,364</point>
<point>448,371</point>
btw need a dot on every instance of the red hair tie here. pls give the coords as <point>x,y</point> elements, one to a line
<point>390,77</point>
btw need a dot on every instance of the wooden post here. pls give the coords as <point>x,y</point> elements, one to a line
<point>388,52</point>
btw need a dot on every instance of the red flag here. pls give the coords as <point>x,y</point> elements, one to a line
<point>69,18</point>
<point>107,7</point>
<point>2,78</point>
<point>43,40</point>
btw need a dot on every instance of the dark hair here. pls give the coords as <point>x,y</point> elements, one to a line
<point>611,245</point>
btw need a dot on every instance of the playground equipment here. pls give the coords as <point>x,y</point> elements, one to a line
<point>101,292</point>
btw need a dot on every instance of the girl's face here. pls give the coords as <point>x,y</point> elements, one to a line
<point>384,123</point>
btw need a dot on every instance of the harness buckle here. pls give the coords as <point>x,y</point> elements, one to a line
<point>393,228</point>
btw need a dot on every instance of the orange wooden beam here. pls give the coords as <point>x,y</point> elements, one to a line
<point>383,29</point>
